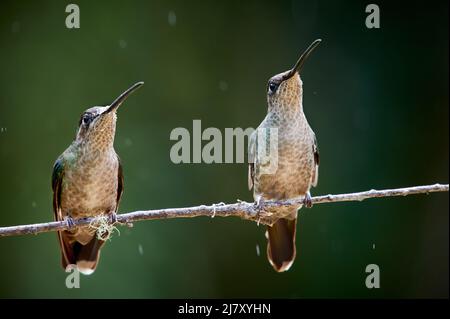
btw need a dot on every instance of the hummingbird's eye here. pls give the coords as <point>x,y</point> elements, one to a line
<point>273,87</point>
<point>87,118</point>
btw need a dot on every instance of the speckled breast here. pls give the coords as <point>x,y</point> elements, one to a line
<point>90,186</point>
<point>292,177</point>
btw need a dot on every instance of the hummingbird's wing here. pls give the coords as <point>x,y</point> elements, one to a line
<point>119,183</point>
<point>251,175</point>
<point>64,241</point>
<point>57,176</point>
<point>315,176</point>
<point>251,160</point>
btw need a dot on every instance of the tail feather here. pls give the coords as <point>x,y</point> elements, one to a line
<point>67,253</point>
<point>84,256</point>
<point>88,255</point>
<point>281,244</point>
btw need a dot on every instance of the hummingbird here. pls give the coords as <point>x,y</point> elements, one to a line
<point>87,181</point>
<point>297,160</point>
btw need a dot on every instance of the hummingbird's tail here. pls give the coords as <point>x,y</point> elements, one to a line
<point>85,257</point>
<point>281,244</point>
<point>88,255</point>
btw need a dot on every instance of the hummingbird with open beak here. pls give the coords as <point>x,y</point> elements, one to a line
<point>297,160</point>
<point>87,181</point>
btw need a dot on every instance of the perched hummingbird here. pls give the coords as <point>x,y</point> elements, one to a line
<point>87,181</point>
<point>298,160</point>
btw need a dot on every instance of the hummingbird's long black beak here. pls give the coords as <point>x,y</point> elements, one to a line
<point>122,97</point>
<point>298,66</point>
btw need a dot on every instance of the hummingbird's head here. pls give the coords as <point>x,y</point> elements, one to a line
<point>285,89</point>
<point>97,124</point>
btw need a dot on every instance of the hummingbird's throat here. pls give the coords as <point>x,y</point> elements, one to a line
<point>288,97</point>
<point>99,136</point>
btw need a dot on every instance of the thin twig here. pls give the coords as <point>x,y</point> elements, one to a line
<point>240,209</point>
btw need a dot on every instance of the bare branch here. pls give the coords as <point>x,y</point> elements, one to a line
<point>240,209</point>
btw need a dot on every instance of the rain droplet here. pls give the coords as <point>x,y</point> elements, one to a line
<point>123,44</point>
<point>223,86</point>
<point>172,18</point>
<point>33,204</point>
<point>141,250</point>
<point>258,253</point>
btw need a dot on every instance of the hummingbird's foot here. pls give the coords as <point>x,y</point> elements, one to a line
<point>113,218</point>
<point>259,207</point>
<point>259,204</point>
<point>307,200</point>
<point>263,215</point>
<point>69,221</point>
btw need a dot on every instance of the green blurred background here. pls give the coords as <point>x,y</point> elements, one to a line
<point>377,100</point>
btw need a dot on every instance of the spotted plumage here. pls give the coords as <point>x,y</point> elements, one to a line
<point>87,181</point>
<point>295,163</point>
